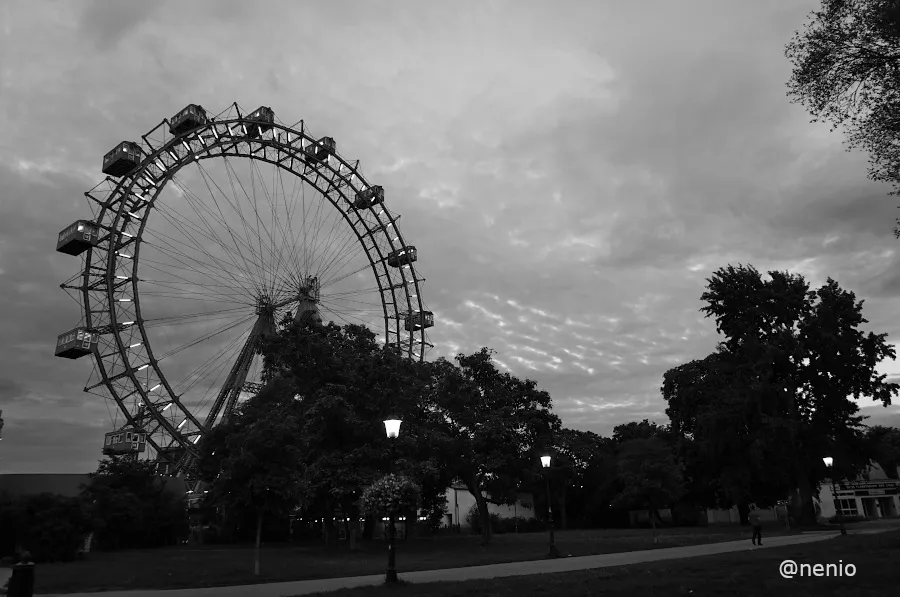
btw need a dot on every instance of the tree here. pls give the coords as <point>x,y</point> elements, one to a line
<point>779,393</point>
<point>131,507</point>
<point>490,426</point>
<point>885,447</point>
<point>651,477</point>
<point>846,70</point>
<point>252,463</point>
<point>341,384</point>
<point>583,464</point>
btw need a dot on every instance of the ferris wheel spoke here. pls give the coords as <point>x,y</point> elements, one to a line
<point>194,201</point>
<point>341,261</point>
<point>185,296</point>
<point>192,262</point>
<point>188,316</point>
<point>348,275</point>
<point>213,334</point>
<point>286,239</point>
<point>342,253</point>
<point>232,177</point>
<point>209,273</point>
<point>213,375</point>
<point>348,293</point>
<point>191,238</point>
<point>148,264</point>
<point>344,315</point>
<point>235,252</point>
<point>271,232</point>
<point>173,284</point>
<point>200,207</point>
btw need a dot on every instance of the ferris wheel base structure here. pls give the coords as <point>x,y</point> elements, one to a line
<point>161,417</point>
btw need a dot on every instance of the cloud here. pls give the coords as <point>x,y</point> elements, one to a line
<point>570,176</point>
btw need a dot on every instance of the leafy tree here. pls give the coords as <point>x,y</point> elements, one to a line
<point>885,448</point>
<point>778,394</point>
<point>490,426</point>
<point>131,507</point>
<point>651,477</point>
<point>583,472</point>
<point>253,463</point>
<point>846,70</point>
<point>341,384</point>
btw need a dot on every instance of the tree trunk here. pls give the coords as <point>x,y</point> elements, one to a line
<point>805,510</point>
<point>369,528</point>
<point>475,490</point>
<point>744,514</point>
<point>563,519</point>
<point>352,528</point>
<point>331,536</point>
<point>259,521</point>
<point>652,513</point>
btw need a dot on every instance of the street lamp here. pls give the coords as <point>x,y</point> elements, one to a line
<point>392,429</point>
<point>545,462</point>
<point>829,464</point>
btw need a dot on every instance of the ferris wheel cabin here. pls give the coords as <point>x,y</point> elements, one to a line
<point>78,237</point>
<point>321,149</point>
<point>369,197</point>
<point>76,344</point>
<point>122,159</point>
<point>418,320</point>
<point>188,119</point>
<point>126,441</point>
<point>402,257</point>
<point>259,121</point>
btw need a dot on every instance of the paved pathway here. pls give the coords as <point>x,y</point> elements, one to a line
<point>304,587</point>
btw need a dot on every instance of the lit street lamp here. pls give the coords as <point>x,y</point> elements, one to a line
<point>392,429</point>
<point>829,464</point>
<point>545,462</point>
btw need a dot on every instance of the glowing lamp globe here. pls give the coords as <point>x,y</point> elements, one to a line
<point>828,460</point>
<point>392,427</point>
<point>545,461</point>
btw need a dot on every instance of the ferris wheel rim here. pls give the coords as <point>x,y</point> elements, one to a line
<point>117,202</point>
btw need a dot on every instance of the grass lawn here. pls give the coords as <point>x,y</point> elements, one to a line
<point>753,573</point>
<point>205,566</point>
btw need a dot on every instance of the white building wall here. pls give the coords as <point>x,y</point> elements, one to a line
<point>460,500</point>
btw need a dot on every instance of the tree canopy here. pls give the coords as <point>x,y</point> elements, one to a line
<point>492,426</point>
<point>846,70</point>
<point>779,392</point>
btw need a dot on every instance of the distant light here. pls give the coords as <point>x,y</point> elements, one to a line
<point>545,461</point>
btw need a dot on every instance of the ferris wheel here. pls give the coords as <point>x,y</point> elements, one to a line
<point>205,238</point>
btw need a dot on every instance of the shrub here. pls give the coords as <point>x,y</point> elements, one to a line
<point>391,494</point>
<point>52,527</point>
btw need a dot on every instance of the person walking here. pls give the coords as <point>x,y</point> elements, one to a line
<point>756,523</point>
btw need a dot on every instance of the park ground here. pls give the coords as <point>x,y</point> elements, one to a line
<point>217,565</point>
<point>739,574</point>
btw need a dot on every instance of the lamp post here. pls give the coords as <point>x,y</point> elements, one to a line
<point>545,462</point>
<point>392,429</point>
<point>829,464</point>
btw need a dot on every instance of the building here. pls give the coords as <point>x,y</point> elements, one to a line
<point>460,500</point>
<point>873,495</point>
<point>65,484</point>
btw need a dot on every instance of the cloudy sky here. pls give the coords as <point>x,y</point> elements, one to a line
<point>571,172</point>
